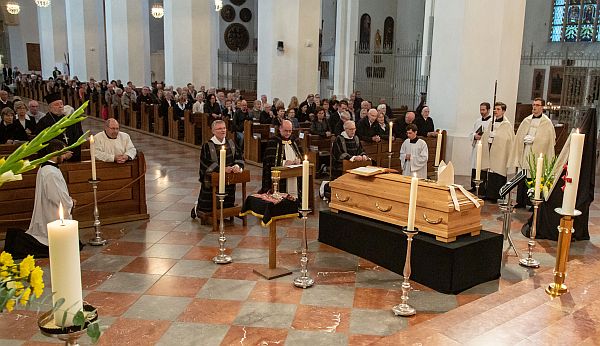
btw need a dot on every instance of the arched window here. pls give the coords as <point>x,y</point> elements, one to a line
<point>575,21</point>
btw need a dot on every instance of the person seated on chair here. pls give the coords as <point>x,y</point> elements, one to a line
<point>346,147</point>
<point>320,126</point>
<point>111,145</point>
<point>209,163</point>
<point>282,150</point>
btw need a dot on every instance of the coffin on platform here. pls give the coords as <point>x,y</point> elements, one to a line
<point>385,197</point>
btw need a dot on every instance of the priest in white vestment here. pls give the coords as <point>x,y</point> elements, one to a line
<point>414,154</point>
<point>535,135</point>
<point>112,145</point>
<point>498,143</point>
<point>50,191</point>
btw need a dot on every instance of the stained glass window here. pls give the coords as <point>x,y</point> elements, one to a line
<point>575,21</point>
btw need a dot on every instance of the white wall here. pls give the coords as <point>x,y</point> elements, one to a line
<point>19,35</point>
<point>409,22</point>
<point>294,71</point>
<point>53,36</point>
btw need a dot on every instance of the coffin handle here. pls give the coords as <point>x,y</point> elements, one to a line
<point>340,199</point>
<point>385,210</point>
<point>433,222</point>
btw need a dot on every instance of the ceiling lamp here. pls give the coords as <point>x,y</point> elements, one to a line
<point>13,7</point>
<point>218,5</point>
<point>42,3</point>
<point>157,11</point>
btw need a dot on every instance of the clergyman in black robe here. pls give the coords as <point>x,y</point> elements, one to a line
<point>279,153</point>
<point>55,113</point>
<point>346,147</point>
<point>209,163</point>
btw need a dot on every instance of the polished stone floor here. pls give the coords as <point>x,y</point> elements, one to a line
<point>154,283</point>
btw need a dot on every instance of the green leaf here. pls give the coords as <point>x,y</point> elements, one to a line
<point>93,331</point>
<point>79,319</point>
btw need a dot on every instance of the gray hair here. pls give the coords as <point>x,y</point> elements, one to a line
<point>348,124</point>
<point>217,122</point>
<point>381,106</point>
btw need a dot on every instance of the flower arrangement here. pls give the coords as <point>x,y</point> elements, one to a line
<point>547,179</point>
<point>18,281</point>
<point>16,163</point>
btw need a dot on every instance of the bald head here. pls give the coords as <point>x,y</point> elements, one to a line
<point>410,117</point>
<point>111,128</point>
<point>286,129</point>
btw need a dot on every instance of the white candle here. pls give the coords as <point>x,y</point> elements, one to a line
<point>538,176</point>
<point>438,149</point>
<point>478,164</point>
<point>412,204</point>
<point>93,156</point>
<point>65,270</point>
<point>222,155</point>
<point>391,138</point>
<point>573,167</point>
<point>305,187</point>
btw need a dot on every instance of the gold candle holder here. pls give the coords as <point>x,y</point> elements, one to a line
<point>565,230</point>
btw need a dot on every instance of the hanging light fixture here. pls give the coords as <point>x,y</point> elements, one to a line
<point>157,11</point>
<point>42,3</point>
<point>13,7</point>
<point>218,5</point>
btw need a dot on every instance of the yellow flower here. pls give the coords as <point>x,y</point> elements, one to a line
<point>36,281</point>
<point>10,305</point>
<point>6,259</point>
<point>26,266</point>
<point>25,297</point>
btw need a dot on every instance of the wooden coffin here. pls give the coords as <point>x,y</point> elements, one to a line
<point>384,197</point>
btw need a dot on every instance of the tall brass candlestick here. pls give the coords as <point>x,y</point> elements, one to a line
<point>565,230</point>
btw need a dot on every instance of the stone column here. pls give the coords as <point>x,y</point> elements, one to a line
<point>293,71</point>
<point>346,33</point>
<point>475,42</point>
<point>53,37</point>
<point>128,41</point>
<point>189,42</point>
<point>86,39</point>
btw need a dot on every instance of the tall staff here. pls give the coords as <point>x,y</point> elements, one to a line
<point>487,175</point>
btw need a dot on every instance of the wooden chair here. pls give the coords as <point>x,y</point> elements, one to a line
<point>230,178</point>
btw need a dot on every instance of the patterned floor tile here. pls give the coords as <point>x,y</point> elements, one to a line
<point>157,308</point>
<point>269,315</point>
<point>226,289</point>
<point>193,334</point>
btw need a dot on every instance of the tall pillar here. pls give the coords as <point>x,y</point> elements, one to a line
<point>346,33</point>
<point>293,71</point>
<point>470,51</point>
<point>53,37</point>
<point>128,41</point>
<point>189,42</point>
<point>86,39</point>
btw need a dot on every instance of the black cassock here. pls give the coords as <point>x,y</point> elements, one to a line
<point>209,163</point>
<point>70,136</point>
<point>274,156</point>
<point>344,149</point>
<point>548,219</point>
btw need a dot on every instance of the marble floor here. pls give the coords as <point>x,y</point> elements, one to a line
<point>154,283</point>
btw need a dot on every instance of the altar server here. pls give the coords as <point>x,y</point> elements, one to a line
<point>209,163</point>
<point>479,127</point>
<point>281,150</point>
<point>498,142</point>
<point>535,135</point>
<point>414,154</point>
<point>111,145</point>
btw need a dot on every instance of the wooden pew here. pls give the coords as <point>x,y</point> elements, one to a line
<point>230,178</point>
<point>173,126</point>
<point>158,121</point>
<point>189,127</point>
<point>121,194</point>
<point>144,117</point>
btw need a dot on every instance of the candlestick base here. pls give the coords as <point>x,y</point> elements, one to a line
<point>304,280</point>
<point>404,309</point>
<point>70,335</point>
<point>221,258</point>
<point>529,261</point>
<point>97,240</point>
<point>565,230</point>
<point>477,183</point>
<point>435,172</point>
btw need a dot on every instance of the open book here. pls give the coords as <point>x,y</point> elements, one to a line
<point>368,171</point>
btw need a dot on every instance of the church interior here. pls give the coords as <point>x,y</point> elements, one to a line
<point>300,255</point>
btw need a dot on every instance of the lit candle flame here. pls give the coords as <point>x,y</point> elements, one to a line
<point>415,175</point>
<point>305,157</point>
<point>91,139</point>
<point>577,130</point>
<point>61,213</point>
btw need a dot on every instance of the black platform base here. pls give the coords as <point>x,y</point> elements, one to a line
<point>444,267</point>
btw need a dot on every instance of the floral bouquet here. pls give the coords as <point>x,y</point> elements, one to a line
<point>547,179</point>
<point>18,281</point>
